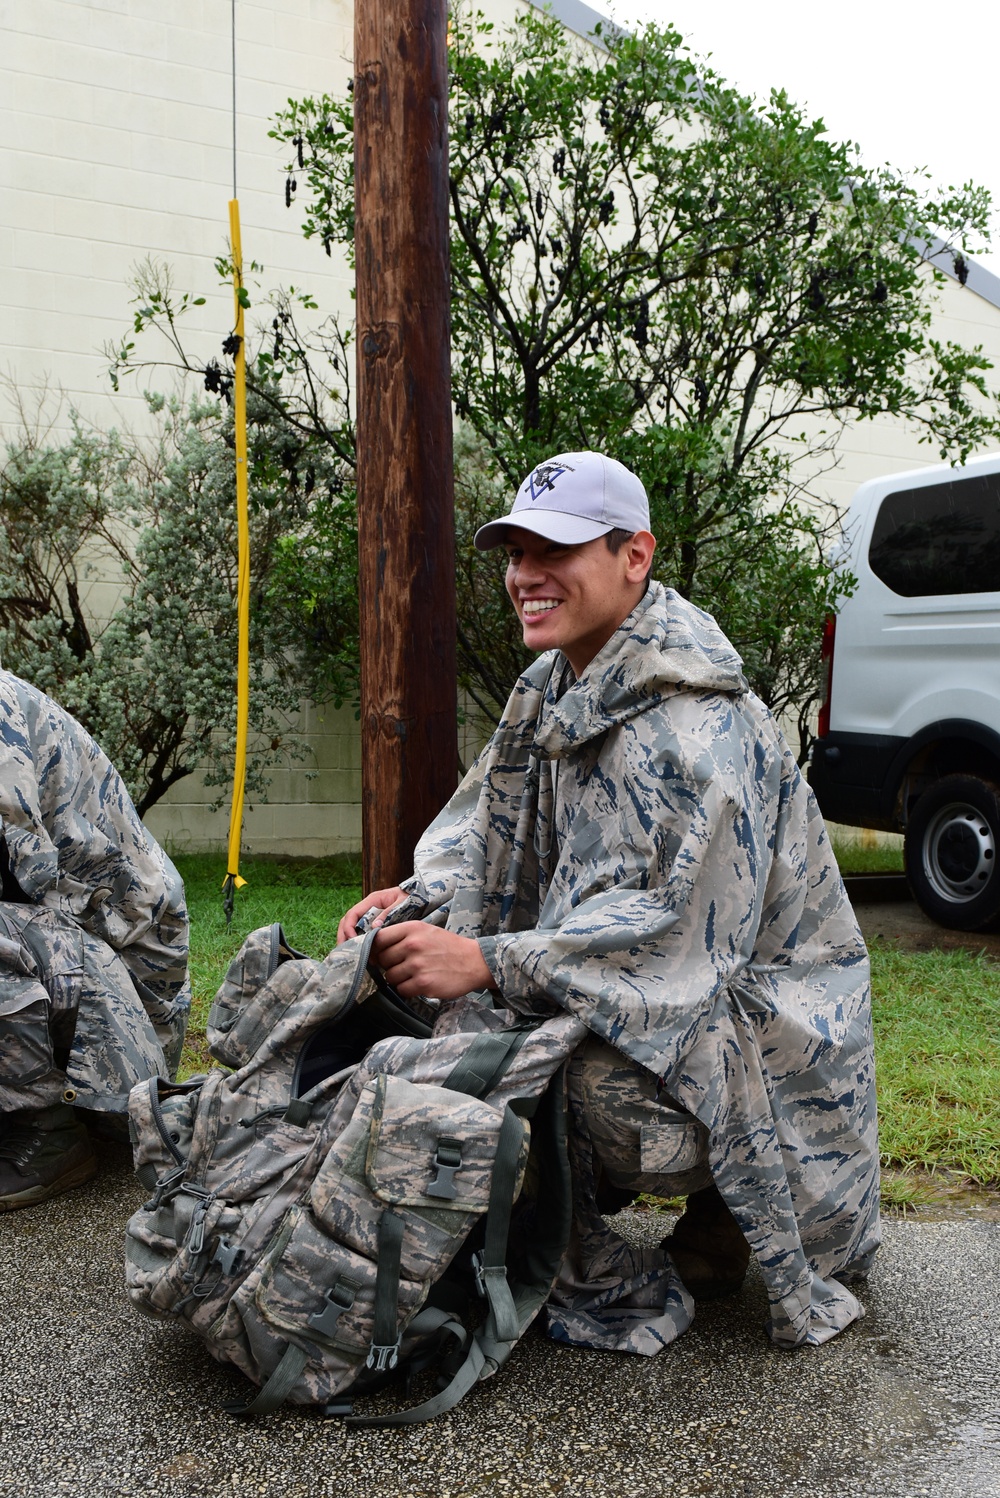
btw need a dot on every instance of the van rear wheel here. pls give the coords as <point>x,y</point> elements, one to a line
<point>952,852</point>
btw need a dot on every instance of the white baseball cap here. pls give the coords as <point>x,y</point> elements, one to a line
<point>572,498</point>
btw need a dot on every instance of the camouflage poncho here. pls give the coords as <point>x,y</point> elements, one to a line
<point>638,848</point>
<point>98,949</point>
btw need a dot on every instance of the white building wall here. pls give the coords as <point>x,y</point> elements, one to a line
<point>116,119</point>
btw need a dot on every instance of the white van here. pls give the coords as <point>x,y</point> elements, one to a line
<point>909,732</point>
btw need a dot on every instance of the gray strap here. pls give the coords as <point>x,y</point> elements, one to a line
<point>384,1350</point>
<point>278,1387</point>
<point>434,1319</point>
<point>456,1391</point>
<point>544,1247</point>
<point>488,1350</point>
<point>486,1061</point>
<point>492,1268</point>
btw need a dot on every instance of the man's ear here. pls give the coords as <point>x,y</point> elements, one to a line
<point>639,549</point>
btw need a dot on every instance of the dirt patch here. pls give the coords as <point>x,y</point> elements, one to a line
<point>885,911</point>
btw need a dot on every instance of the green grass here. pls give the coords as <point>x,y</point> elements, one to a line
<point>937,1014</point>
<point>308,897</point>
<point>854,858</point>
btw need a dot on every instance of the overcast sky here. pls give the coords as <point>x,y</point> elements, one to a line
<point>917,85</point>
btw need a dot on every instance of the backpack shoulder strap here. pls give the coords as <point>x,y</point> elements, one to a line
<point>489,1056</point>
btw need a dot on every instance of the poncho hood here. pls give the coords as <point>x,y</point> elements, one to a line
<point>673,647</point>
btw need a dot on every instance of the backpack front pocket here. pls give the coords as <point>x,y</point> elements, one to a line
<point>317,1290</point>
<point>425,1152</point>
<point>430,1146</point>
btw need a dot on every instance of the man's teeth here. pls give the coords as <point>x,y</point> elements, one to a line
<point>540,605</point>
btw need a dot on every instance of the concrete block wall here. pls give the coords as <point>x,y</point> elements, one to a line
<point>313,808</point>
<point>116,124</point>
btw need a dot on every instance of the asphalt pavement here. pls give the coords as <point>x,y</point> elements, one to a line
<point>100,1402</point>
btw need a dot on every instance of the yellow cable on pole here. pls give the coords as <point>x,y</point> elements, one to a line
<point>233,881</point>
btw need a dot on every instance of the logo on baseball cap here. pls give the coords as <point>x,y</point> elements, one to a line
<point>573,498</point>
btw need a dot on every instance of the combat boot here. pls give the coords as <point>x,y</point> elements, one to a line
<point>43,1152</point>
<point>710,1253</point>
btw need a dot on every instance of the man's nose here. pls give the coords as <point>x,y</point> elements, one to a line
<point>528,571</point>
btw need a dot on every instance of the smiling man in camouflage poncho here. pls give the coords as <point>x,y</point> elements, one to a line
<point>636,846</point>
<point>93,947</point>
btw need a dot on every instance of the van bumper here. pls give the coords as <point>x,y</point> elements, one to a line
<point>849,772</point>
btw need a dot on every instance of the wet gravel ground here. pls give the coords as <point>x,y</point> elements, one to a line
<point>98,1401</point>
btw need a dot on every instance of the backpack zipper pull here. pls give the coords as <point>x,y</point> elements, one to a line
<point>195,1240</point>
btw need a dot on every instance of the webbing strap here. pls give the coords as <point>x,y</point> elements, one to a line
<point>277,1388</point>
<point>467,1375</point>
<point>492,1265</point>
<point>490,1347</point>
<point>545,1245</point>
<point>486,1060</point>
<point>385,1334</point>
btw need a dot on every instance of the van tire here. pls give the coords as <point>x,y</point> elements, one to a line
<point>952,853</point>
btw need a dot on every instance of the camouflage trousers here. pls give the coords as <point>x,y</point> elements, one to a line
<point>73,1027</point>
<point>643,1141</point>
<point>609,1292</point>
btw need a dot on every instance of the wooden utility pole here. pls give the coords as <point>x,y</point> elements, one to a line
<point>409,736</point>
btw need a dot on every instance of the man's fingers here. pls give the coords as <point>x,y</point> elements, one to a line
<point>402,980</point>
<point>348,926</point>
<point>391,938</point>
<point>374,907</point>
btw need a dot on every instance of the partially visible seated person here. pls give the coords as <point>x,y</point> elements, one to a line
<point>94,993</point>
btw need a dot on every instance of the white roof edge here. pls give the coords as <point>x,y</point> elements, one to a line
<point>980,280</point>
<point>919,478</point>
<point>578,17</point>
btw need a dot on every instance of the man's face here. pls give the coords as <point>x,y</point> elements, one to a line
<point>572,598</point>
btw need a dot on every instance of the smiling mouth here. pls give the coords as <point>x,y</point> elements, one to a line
<point>536,608</point>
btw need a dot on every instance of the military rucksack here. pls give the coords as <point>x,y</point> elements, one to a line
<point>337,1206</point>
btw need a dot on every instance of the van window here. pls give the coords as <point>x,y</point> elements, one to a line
<point>943,538</point>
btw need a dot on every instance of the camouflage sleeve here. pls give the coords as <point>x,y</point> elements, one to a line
<point>33,857</point>
<point>687,934</point>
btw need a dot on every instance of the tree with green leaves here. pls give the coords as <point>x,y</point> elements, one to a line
<point>647,263</point>
<point>147,663</point>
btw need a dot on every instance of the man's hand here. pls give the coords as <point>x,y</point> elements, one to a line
<point>419,960</point>
<point>378,900</point>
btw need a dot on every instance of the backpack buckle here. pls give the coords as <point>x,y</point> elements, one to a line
<point>487,1274</point>
<point>339,1298</point>
<point>226,1256</point>
<point>447,1161</point>
<point>166,1187</point>
<point>195,1239</point>
<point>382,1359</point>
